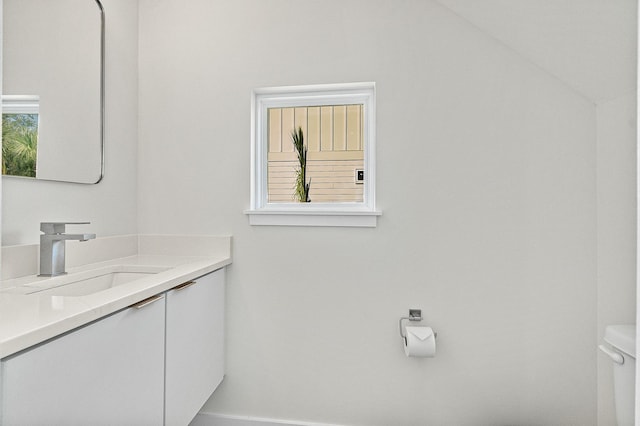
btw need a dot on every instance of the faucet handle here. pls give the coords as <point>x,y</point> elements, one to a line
<point>57,227</point>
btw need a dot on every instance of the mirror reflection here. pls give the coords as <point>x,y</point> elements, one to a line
<point>52,89</point>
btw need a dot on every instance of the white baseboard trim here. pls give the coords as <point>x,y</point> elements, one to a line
<point>212,419</point>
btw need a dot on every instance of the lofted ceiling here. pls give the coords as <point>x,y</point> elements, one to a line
<point>590,45</point>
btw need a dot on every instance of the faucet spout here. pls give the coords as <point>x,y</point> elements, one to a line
<point>52,246</point>
<point>65,237</point>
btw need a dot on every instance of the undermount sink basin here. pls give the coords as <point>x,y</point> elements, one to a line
<point>93,281</point>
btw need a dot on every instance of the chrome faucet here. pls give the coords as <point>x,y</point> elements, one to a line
<point>52,246</point>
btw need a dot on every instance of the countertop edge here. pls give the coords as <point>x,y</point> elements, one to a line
<point>96,306</point>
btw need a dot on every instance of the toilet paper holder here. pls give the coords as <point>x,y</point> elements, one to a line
<point>414,315</point>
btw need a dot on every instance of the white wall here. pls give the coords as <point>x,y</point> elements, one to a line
<point>616,189</point>
<point>492,233</point>
<point>110,206</point>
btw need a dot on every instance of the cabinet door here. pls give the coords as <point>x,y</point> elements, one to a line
<point>195,346</point>
<point>109,372</point>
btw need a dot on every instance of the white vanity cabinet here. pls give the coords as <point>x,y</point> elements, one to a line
<point>154,363</point>
<point>109,372</point>
<point>195,346</point>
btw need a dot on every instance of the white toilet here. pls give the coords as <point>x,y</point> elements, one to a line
<point>622,339</point>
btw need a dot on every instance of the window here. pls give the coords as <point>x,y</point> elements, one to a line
<point>20,119</point>
<point>313,156</point>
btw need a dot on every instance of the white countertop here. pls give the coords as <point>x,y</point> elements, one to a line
<point>29,319</point>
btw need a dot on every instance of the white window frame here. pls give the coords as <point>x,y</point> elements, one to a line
<point>21,104</point>
<point>261,212</point>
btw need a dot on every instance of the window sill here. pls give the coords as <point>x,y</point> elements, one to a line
<point>349,218</point>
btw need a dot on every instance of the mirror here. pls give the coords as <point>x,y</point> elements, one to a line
<point>53,89</point>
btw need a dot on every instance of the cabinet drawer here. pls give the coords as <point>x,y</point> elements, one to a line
<point>106,373</point>
<point>194,346</point>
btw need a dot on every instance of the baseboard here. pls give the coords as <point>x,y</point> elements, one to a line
<point>211,419</point>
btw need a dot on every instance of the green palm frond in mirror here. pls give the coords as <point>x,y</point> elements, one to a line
<point>19,144</point>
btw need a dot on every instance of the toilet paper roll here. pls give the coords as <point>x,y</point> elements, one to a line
<point>420,342</point>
